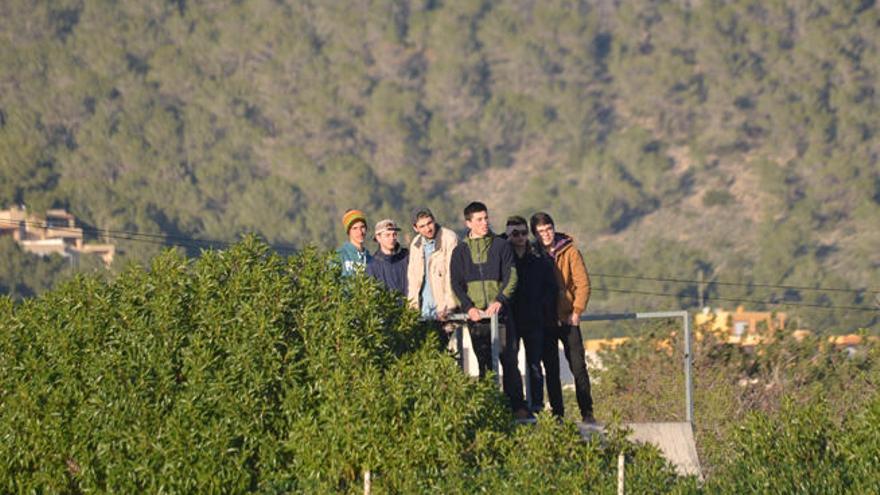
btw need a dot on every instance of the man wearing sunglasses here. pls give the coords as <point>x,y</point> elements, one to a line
<point>533,305</point>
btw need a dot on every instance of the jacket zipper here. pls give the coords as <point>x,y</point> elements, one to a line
<point>483,279</point>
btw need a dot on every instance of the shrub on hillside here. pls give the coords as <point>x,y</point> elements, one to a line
<point>790,416</point>
<point>802,449</point>
<point>245,372</point>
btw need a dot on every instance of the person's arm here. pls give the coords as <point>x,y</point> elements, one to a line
<point>402,274</point>
<point>371,271</point>
<point>508,274</point>
<point>413,279</point>
<point>457,278</point>
<point>581,280</point>
<point>450,303</point>
<point>339,260</point>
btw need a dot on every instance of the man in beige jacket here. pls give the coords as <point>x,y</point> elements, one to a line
<point>429,288</point>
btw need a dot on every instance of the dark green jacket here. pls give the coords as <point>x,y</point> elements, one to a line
<point>352,259</point>
<point>482,271</point>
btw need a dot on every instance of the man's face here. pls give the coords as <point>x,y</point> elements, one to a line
<point>357,233</point>
<point>478,224</point>
<point>387,240</point>
<point>426,227</point>
<point>546,233</point>
<point>518,235</point>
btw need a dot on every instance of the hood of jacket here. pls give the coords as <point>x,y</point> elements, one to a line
<point>561,242</point>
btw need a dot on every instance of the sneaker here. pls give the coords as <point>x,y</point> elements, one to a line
<point>589,419</point>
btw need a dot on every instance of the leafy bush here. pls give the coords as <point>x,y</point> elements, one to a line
<point>801,449</point>
<point>247,372</point>
<point>717,197</point>
<point>790,416</point>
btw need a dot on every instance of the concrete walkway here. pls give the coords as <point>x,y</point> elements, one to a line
<point>675,441</point>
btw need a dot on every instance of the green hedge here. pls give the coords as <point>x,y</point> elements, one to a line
<point>244,372</point>
<point>802,449</point>
<point>790,416</point>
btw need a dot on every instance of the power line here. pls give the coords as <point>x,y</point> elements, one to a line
<point>750,301</point>
<point>161,239</point>
<point>735,284</point>
<point>180,241</point>
<point>158,239</point>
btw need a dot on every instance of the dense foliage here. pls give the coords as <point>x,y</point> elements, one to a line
<point>247,372</point>
<point>787,417</point>
<point>735,138</point>
<point>25,275</point>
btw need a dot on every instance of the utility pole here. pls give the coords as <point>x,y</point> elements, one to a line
<point>700,289</point>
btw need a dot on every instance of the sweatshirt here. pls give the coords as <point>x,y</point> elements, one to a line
<point>390,269</point>
<point>483,271</point>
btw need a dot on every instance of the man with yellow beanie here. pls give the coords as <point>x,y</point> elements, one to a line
<point>353,254</point>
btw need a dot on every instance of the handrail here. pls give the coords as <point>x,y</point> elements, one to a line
<point>686,324</point>
<point>689,386</point>
<point>493,332</point>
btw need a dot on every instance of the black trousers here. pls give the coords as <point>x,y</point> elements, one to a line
<point>532,338</point>
<point>481,339</point>
<point>573,346</point>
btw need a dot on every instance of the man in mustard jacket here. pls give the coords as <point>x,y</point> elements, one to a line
<point>574,293</point>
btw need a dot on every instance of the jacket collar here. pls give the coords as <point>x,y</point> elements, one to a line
<point>351,248</point>
<point>561,242</point>
<point>398,253</point>
<point>488,236</point>
<point>440,239</point>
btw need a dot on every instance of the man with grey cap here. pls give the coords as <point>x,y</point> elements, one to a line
<point>430,289</point>
<point>389,263</point>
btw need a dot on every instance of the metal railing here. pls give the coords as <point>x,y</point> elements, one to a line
<point>686,335</point>
<point>493,335</point>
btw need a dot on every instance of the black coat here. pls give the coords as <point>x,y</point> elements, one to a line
<point>534,302</point>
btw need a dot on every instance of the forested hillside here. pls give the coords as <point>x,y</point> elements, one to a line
<point>734,138</point>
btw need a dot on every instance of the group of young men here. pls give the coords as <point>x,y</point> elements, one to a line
<point>538,290</point>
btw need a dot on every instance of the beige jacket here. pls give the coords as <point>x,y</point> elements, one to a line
<point>438,270</point>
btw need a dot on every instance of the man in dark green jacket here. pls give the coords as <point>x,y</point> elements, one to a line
<point>483,276</point>
<point>353,254</point>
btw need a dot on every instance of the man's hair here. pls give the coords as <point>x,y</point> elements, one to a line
<point>421,213</point>
<point>474,207</point>
<point>516,220</point>
<point>539,219</point>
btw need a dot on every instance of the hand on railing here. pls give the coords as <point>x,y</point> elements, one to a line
<point>481,315</point>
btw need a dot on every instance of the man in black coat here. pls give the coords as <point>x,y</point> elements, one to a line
<point>534,303</point>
